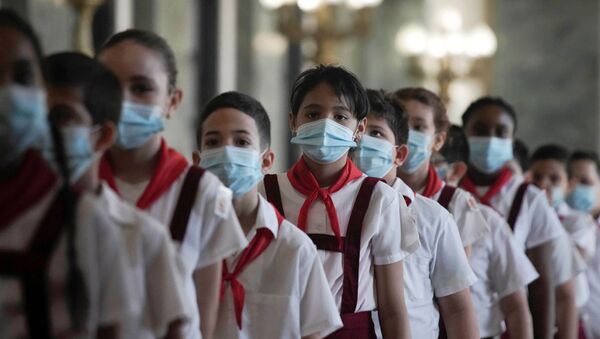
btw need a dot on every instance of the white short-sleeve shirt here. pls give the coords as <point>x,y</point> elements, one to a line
<point>437,269</point>
<point>213,232</point>
<point>286,291</point>
<point>591,311</point>
<point>380,239</point>
<point>463,207</point>
<point>501,267</point>
<point>100,258</point>
<point>157,297</point>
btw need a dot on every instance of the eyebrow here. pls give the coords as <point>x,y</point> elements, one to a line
<point>336,107</point>
<point>140,78</point>
<point>209,133</point>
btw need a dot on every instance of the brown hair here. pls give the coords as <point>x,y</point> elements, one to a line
<point>426,97</point>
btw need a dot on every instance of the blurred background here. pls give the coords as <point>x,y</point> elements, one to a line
<point>540,55</point>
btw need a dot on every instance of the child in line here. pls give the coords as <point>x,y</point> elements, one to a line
<point>490,124</point>
<point>147,173</point>
<point>354,220</point>
<point>275,287</point>
<point>437,276</point>
<point>62,269</point>
<point>502,268</point>
<point>85,100</point>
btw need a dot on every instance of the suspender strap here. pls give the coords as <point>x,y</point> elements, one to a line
<point>273,193</point>
<point>31,267</point>
<point>352,245</point>
<point>515,208</point>
<point>185,202</point>
<point>446,196</point>
<point>326,242</point>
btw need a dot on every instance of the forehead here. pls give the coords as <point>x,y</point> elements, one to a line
<point>548,166</point>
<point>417,109</point>
<point>228,119</point>
<point>324,94</point>
<point>491,115</point>
<point>583,166</point>
<point>14,46</point>
<point>66,106</point>
<point>128,58</point>
<point>377,121</point>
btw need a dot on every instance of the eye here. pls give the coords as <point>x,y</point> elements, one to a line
<point>555,179</point>
<point>211,142</point>
<point>241,142</point>
<point>341,117</point>
<point>23,73</point>
<point>312,115</point>
<point>140,89</point>
<point>376,134</point>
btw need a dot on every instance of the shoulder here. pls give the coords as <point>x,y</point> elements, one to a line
<point>430,214</point>
<point>292,238</point>
<point>465,199</point>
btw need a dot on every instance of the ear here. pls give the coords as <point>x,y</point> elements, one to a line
<point>360,130</point>
<point>401,155</point>
<point>268,159</point>
<point>196,157</point>
<point>292,122</point>
<point>459,170</point>
<point>527,176</point>
<point>439,140</point>
<point>107,137</point>
<point>174,101</point>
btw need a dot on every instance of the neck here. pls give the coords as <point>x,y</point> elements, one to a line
<point>138,164</point>
<point>326,174</point>
<point>391,176</point>
<point>90,180</point>
<point>481,179</point>
<point>417,180</point>
<point>246,209</point>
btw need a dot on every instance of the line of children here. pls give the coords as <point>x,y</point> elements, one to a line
<point>502,268</point>
<point>437,275</point>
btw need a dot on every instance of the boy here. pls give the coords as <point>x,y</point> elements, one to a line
<point>428,122</point>
<point>503,269</point>
<point>353,220</point>
<point>584,182</point>
<point>489,124</point>
<point>82,93</point>
<point>285,288</point>
<point>437,275</point>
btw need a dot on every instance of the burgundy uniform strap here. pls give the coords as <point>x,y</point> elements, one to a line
<point>273,193</point>
<point>185,203</point>
<point>446,196</point>
<point>352,245</point>
<point>327,242</point>
<point>31,268</point>
<point>515,208</point>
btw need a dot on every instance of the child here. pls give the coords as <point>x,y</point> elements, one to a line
<point>428,122</point>
<point>489,124</point>
<point>438,274</point>
<point>285,288</point>
<point>584,182</point>
<point>353,220</point>
<point>146,172</point>
<point>61,265</point>
<point>81,94</point>
<point>549,172</point>
<point>503,269</point>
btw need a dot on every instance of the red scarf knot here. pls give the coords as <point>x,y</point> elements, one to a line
<point>503,178</point>
<point>434,183</point>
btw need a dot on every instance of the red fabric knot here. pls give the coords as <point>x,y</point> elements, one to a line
<point>503,178</point>
<point>434,183</point>
<point>302,179</point>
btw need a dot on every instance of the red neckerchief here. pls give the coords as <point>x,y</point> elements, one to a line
<point>169,168</point>
<point>503,178</point>
<point>33,181</point>
<point>434,183</point>
<point>256,247</point>
<point>304,182</point>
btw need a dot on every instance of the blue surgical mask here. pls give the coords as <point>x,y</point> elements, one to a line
<point>582,198</point>
<point>324,141</point>
<point>442,172</point>
<point>488,155</point>
<point>78,151</point>
<point>138,124</point>
<point>557,196</point>
<point>418,151</point>
<point>238,168</point>
<point>23,120</point>
<point>374,156</point>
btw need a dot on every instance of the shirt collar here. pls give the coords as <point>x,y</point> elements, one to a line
<point>402,188</point>
<point>265,218</point>
<point>116,208</point>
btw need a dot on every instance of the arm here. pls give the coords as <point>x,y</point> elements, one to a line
<point>175,330</point>
<point>459,315</point>
<point>566,310</point>
<point>207,281</point>
<point>516,314</point>
<point>108,332</point>
<point>541,292</point>
<point>393,315</point>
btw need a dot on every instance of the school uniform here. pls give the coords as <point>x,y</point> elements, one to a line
<point>355,224</point>
<point>198,211</point>
<point>437,269</point>
<point>284,291</point>
<point>502,268</point>
<point>153,271</point>
<point>472,226</point>
<point>591,311</point>
<point>33,261</point>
